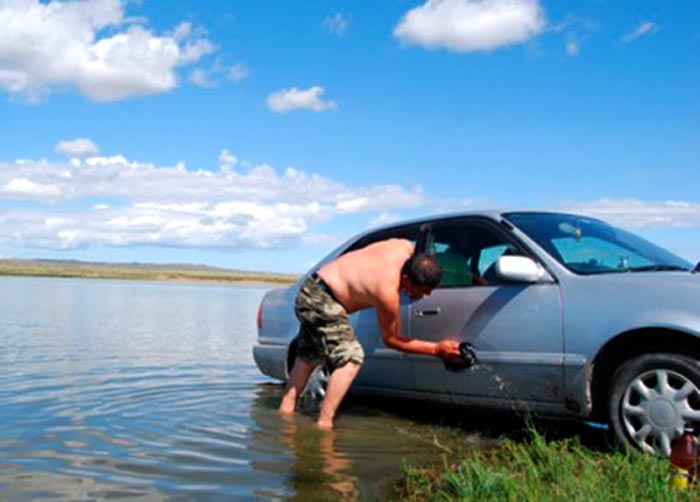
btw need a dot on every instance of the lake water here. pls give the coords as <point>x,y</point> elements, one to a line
<point>148,391</point>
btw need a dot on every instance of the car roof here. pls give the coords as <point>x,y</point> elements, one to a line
<point>495,214</point>
<point>492,214</point>
<point>485,213</point>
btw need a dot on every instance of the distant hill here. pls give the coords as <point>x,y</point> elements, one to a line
<point>139,271</point>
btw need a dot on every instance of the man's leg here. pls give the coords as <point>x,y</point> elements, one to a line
<point>338,385</point>
<point>301,371</point>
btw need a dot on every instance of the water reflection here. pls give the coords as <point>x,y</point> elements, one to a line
<point>114,390</point>
<point>314,465</point>
<point>360,458</point>
<point>38,486</point>
<point>320,469</point>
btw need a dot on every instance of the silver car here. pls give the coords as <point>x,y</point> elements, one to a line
<point>568,316</point>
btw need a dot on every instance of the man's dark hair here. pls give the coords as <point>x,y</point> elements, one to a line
<point>423,270</point>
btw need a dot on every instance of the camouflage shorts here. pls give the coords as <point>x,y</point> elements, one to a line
<point>325,334</point>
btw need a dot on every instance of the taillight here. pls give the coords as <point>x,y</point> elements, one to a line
<point>260,316</point>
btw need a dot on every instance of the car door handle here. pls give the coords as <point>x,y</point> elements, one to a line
<point>427,312</point>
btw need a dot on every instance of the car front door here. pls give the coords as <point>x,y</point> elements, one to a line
<point>384,368</point>
<point>516,329</point>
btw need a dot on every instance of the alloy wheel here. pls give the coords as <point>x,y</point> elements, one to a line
<point>315,389</point>
<point>655,407</point>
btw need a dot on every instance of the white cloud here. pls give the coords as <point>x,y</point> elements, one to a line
<point>577,31</point>
<point>238,72</point>
<point>227,159</point>
<point>140,203</point>
<point>211,76</point>
<point>572,22</point>
<point>201,78</point>
<point>336,24</point>
<point>191,52</point>
<point>114,201</point>
<point>471,25</point>
<point>645,28</point>
<point>384,219</point>
<point>79,147</point>
<point>573,47</point>
<point>288,100</point>
<point>23,187</point>
<point>90,46</point>
<point>634,213</point>
<point>352,204</point>
<point>182,31</point>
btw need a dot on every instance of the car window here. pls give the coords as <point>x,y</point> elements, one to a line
<point>467,253</point>
<point>589,246</point>
<point>590,254</point>
<point>489,255</point>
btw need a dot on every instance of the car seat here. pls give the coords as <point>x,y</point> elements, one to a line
<point>455,270</point>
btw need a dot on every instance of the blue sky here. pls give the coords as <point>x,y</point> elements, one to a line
<point>259,135</point>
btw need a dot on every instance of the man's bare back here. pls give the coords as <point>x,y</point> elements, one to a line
<point>373,276</point>
<point>369,276</point>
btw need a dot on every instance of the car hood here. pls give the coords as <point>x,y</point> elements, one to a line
<point>627,300</point>
<point>649,281</point>
<point>597,308</point>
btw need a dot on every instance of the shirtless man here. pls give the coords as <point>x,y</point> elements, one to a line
<point>369,277</point>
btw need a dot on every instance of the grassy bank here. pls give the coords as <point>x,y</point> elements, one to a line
<point>540,470</point>
<point>199,273</point>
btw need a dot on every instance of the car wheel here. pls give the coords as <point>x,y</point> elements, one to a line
<point>651,398</point>
<point>315,389</point>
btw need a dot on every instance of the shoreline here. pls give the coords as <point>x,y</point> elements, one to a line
<point>185,273</point>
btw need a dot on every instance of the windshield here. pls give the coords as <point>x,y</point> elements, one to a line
<point>589,246</point>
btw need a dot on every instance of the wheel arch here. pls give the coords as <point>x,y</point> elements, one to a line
<point>631,344</point>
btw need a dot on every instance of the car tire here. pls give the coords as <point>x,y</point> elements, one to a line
<point>651,398</point>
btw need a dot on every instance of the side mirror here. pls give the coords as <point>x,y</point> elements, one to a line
<point>519,269</point>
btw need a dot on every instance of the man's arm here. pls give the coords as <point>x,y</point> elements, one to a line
<point>389,319</point>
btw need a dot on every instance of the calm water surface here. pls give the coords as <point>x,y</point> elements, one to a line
<point>148,391</point>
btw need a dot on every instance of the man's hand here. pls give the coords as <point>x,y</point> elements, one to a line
<point>447,349</point>
<point>456,356</point>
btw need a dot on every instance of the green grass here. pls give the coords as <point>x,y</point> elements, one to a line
<point>541,470</point>
<point>137,271</point>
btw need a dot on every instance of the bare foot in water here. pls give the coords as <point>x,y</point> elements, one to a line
<point>285,411</point>
<point>325,425</point>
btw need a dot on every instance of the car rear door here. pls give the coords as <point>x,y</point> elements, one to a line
<point>515,328</point>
